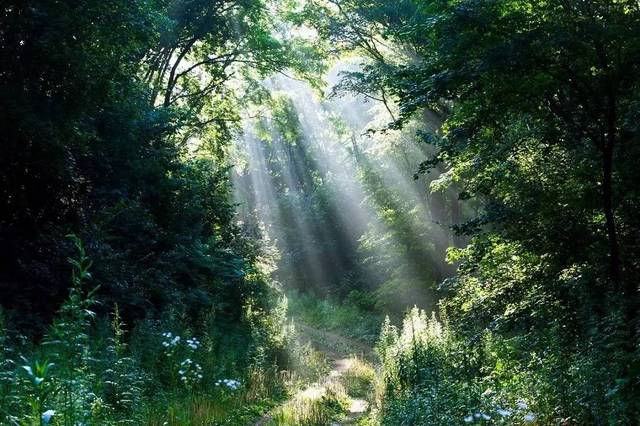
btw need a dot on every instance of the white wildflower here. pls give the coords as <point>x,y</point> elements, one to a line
<point>47,415</point>
<point>468,419</point>
<point>503,412</point>
<point>529,417</point>
<point>229,383</point>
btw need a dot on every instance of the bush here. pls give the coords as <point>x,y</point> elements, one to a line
<point>430,378</point>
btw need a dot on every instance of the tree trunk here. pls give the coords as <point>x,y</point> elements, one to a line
<point>172,75</point>
<point>627,287</point>
<point>607,193</point>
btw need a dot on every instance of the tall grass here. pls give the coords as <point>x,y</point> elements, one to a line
<point>359,379</point>
<point>316,407</point>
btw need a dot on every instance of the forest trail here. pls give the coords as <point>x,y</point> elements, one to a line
<point>341,353</point>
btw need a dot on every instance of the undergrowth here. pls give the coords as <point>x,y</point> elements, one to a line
<point>359,379</point>
<point>94,370</point>
<point>353,317</point>
<point>428,377</point>
<point>313,408</point>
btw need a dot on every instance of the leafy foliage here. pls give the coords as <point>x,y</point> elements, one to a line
<point>512,124</point>
<point>115,119</point>
<point>527,106</point>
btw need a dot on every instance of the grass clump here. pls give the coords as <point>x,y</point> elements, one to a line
<point>359,379</point>
<point>315,407</point>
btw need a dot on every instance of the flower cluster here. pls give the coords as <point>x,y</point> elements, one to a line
<point>170,341</point>
<point>529,417</point>
<point>47,416</point>
<point>503,412</point>
<point>193,343</point>
<point>190,372</point>
<point>478,415</point>
<point>521,407</point>
<point>229,383</point>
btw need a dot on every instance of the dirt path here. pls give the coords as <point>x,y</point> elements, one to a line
<point>334,345</point>
<point>340,352</point>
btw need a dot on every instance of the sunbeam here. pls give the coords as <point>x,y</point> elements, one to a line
<point>337,203</point>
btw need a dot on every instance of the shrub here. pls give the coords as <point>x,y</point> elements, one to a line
<point>430,378</point>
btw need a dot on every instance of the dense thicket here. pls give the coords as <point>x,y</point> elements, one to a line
<point>114,117</point>
<point>99,105</point>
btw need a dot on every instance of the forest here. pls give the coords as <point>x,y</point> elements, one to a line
<point>319,212</point>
